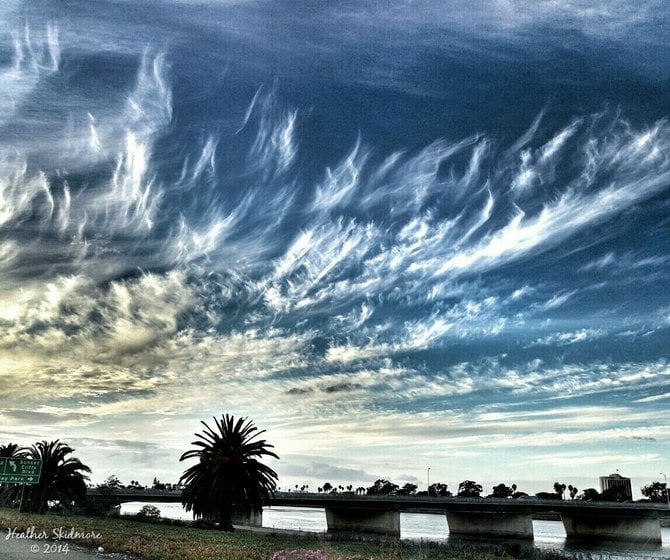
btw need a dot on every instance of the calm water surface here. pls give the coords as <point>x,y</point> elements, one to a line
<point>549,535</point>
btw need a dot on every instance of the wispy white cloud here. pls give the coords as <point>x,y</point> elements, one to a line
<point>341,183</point>
<point>624,263</point>
<point>274,148</point>
<point>36,53</point>
<point>565,338</point>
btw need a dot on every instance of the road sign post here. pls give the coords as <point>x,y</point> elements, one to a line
<point>23,490</point>
<point>17,470</point>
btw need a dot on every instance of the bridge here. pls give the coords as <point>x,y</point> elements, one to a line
<point>469,517</point>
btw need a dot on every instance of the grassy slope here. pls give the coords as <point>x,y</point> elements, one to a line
<point>165,542</point>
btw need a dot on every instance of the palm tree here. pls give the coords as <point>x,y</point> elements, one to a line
<point>61,478</point>
<point>13,450</point>
<point>228,477</point>
<point>9,493</point>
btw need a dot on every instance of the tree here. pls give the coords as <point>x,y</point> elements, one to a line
<point>589,495</point>
<point>112,482</point>
<point>228,477</point>
<point>158,485</point>
<point>469,489</point>
<point>9,493</point>
<point>110,486</point>
<point>517,493</point>
<point>559,489</point>
<point>655,491</point>
<point>62,478</point>
<point>13,450</point>
<point>382,486</point>
<point>503,491</point>
<point>149,512</point>
<point>572,491</point>
<point>438,489</point>
<point>327,487</point>
<point>407,490</point>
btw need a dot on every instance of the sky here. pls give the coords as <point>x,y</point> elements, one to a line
<point>396,236</point>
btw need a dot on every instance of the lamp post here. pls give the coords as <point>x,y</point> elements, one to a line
<point>667,494</point>
<point>428,481</point>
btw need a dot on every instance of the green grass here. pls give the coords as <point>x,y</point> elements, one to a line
<point>168,542</point>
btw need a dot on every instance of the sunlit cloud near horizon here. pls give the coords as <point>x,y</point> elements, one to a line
<point>429,236</point>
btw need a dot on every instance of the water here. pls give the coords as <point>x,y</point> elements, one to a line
<point>549,535</point>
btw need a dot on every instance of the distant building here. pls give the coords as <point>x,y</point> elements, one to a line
<point>616,487</point>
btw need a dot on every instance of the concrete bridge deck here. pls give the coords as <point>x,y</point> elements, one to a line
<point>455,503</point>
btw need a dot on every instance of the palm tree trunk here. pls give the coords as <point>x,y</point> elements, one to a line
<point>226,519</point>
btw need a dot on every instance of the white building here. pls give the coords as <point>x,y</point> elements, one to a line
<point>617,487</point>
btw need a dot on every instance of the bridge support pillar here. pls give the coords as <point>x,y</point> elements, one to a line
<point>490,524</point>
<point>355,520</point>
<point>611,528</point>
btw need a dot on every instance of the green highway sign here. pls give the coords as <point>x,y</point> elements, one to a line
<point>16,470</point>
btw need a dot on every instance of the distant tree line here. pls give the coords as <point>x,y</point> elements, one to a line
<point>112,484</point>
<point>655,491</point>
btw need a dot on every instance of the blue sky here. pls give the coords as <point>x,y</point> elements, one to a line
<point>396,237</point>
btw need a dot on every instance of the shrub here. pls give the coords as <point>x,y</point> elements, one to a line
<point>149,512</point>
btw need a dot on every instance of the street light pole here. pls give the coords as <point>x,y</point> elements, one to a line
<point>667,494</point>
<point>428,481</point>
